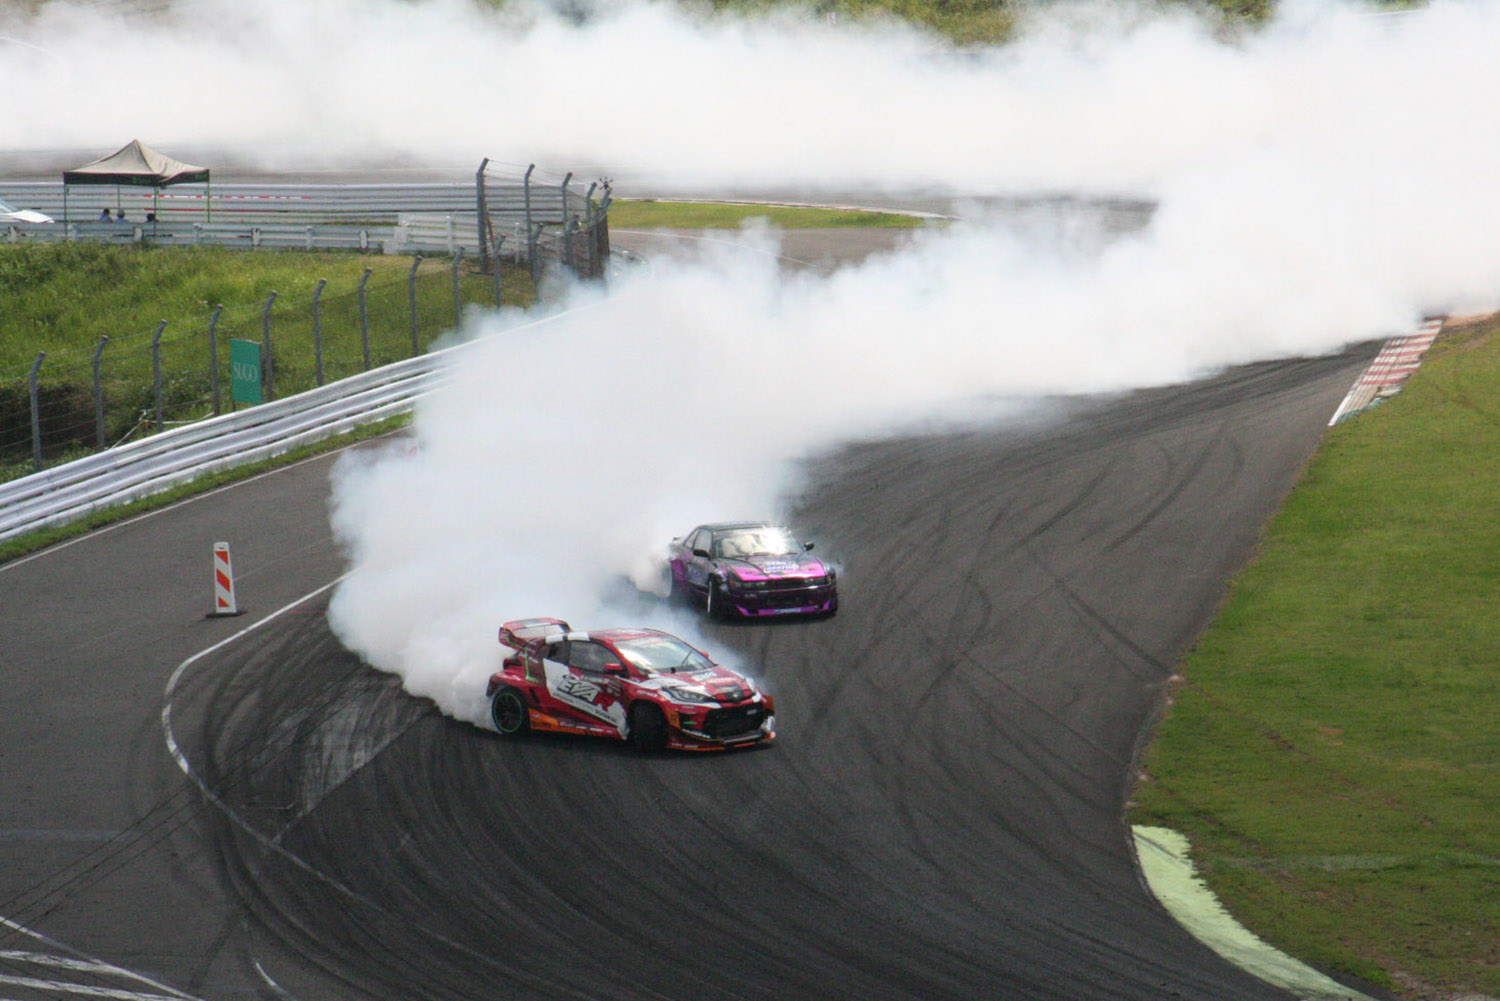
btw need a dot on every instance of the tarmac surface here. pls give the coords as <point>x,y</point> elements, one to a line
<point>940,818</point>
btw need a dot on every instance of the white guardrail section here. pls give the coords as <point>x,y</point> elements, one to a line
<point>141,468</point>
<point>129,472</point>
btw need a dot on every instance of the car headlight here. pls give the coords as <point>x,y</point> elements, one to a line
<point>689,696</point>
<point>748,585</point>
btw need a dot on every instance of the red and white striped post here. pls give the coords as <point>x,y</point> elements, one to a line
<point>223,582</point>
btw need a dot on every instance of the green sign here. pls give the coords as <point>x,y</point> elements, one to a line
<point>244,372</point>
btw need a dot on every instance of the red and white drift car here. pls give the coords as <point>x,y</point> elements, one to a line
<point>640,685</point>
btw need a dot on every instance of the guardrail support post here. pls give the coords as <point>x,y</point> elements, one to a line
<point>156,373</point>
<point>318,327</point>
<point>364,319</point>
<point>499,242</point>
<point>36,412</point>
<point>458,302</point>
<point>411,292</point>
<point>213,355</point>
<point>99,393</point>
<point>268,362</point>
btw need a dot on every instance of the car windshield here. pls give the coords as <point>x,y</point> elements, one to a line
<point>756,542</point>
<point>657,654</point>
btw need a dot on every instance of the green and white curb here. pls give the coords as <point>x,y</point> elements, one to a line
<point>1169,872</point>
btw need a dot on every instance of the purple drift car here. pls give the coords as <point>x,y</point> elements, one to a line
<point>751,568</point>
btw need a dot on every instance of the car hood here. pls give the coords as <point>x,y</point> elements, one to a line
<point>774,567</point>
<point>721,683</point>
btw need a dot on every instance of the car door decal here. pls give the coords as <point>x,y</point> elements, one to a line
<point>587,696</point>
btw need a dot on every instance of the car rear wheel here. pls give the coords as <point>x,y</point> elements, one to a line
<point>648,728</point>
<point>509,713</point>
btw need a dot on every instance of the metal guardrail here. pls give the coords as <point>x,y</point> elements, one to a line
<point>76,489</point>
<point>412,233</point>
<point>129,472</point>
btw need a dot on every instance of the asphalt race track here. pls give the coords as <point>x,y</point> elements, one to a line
<point>941,817</point>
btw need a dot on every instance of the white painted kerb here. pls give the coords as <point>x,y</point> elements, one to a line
<point>1163,854</point>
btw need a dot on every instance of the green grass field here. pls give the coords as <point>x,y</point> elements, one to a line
<point>650,214</point>
<point>1332,752</point>
<point>64,298</point>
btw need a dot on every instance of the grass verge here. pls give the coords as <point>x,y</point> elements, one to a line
<point>651,214</point>
<point>1331,751</point>
<point>81,301</point>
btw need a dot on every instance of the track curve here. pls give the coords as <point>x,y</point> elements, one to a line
<point>941,818</point>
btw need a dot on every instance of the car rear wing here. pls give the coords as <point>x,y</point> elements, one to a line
<point>530,632</point>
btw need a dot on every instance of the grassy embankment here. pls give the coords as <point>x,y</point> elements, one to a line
<point>1333,753</point>
<point>62,298</point>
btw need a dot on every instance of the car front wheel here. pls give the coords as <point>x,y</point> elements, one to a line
<point>716,602</point>
<point>648,728</point>
<point>509,713</point>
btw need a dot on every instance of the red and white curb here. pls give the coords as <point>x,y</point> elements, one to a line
<point>1397,360</point>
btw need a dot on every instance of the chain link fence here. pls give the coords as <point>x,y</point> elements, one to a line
<point>180,372</point>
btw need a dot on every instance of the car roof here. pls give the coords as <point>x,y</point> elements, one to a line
<point>626,633</point>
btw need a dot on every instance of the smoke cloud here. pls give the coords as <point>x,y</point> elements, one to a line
<point>1326,179</point>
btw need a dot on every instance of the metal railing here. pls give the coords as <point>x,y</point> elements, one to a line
<point>149,466</point>
<point>530,218</point>
<point>129,386</point>
<point>76,489</point>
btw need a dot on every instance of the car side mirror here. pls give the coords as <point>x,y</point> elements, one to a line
<point>807,546</point>
<point>614,668</point>
<point>701,552</point>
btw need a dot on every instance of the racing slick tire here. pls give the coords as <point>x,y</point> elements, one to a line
<point>509,713</point>
<point>648,728</point>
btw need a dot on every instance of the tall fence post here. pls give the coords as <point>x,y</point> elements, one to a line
<point>530,239</point>
<point>213,355</point>
<point>364,319</point>
<point>268,362</point>
<point>99,393</point>
<point>566,259</point>
<point>484,216</point>
<point>458,302</point>
<point>156,374</point>
<point>36,412</point>
<point>411,292</point>
<point>318,327</point>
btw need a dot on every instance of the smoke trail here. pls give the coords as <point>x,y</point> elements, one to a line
<point>1326,179</point>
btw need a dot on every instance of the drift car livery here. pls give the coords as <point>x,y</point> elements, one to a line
<point>751,568</point>
<point>640,685</point>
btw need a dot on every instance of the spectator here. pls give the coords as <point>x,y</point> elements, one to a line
<point>119,215</point>
<point>104,214</point>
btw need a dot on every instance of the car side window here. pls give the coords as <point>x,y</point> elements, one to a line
<point>556,651</point>
<point>590,657</point>
<point>699,540</point>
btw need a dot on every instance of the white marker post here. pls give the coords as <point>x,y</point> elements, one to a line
<point>223,583</point>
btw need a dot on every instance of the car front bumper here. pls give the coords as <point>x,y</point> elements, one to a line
<point>784,600</point>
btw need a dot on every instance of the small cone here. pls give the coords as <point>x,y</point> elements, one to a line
<point>224,603</point>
